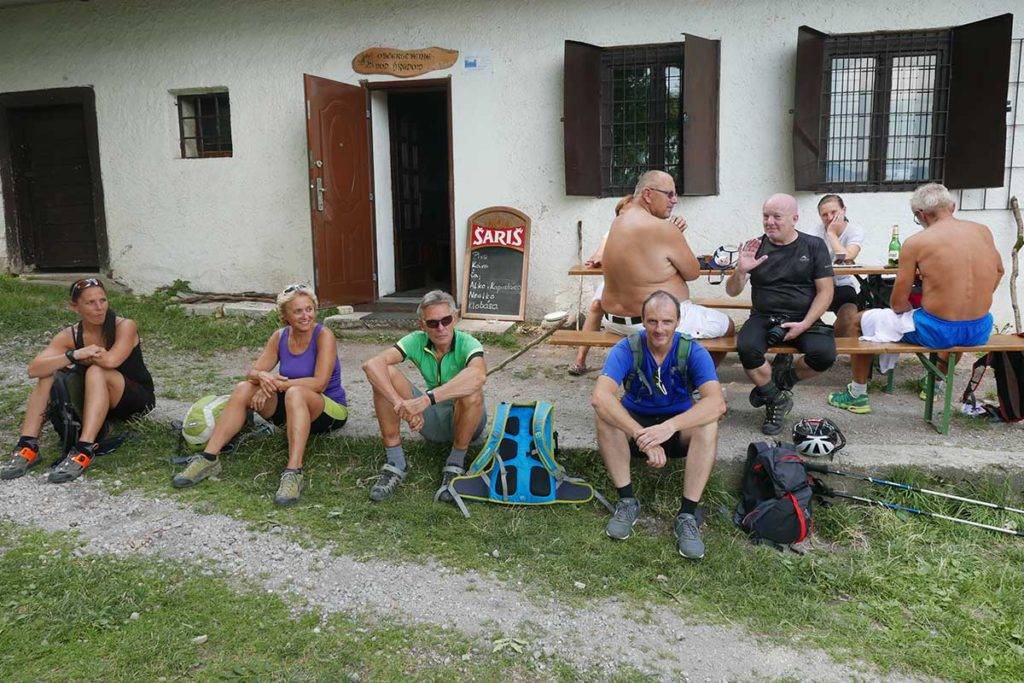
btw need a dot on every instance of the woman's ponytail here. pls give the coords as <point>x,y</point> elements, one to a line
<point>109,328</point>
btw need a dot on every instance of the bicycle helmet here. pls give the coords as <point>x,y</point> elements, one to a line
<point>818,437</point>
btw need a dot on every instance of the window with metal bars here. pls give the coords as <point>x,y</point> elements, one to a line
<point>204,124</point>
<point>888,111</point>
<point>884,107</point>
<point>641,114</point>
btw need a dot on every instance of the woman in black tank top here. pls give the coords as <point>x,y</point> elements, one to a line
<point>101,357</point>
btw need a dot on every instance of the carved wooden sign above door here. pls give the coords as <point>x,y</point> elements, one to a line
<point>403,63</point>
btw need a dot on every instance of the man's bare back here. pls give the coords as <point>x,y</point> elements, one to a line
<point>644,253</point>
<point>959,265</point>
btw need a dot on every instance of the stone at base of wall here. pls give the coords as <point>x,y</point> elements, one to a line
<point>496,326</point>
<point>348,321</point>
<point>249,309</point>
<point>207,310</point>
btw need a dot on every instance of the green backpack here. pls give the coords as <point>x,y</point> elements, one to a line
<point>635,378</point>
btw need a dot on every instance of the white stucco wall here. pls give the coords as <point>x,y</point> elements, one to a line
<point>383,208</point>
<point>243,223</point>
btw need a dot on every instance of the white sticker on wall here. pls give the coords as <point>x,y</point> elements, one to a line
<point>479,60</point>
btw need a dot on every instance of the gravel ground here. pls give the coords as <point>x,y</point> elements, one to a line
<point>602,635</point>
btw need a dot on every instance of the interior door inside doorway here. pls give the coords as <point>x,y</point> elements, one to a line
<point>418,123</point>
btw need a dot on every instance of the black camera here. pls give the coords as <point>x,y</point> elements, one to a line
<point>776,332</point>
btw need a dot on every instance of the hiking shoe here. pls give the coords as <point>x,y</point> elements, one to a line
<point>71,467</point>
<point>775,411</point>
<point>291,487</point>
<point>781,366</point>
<point>688,539</point>
<point>940,388</point>
<point>627,511</point>
<point>198,468</point>
<point>22,460</point>
<point>847,401</point>
<point>448,473</point>
<point>390,478</point>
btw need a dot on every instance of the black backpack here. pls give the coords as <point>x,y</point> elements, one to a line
<point>64,410</point>
<point>1008,368</point>
<point>775,502</point>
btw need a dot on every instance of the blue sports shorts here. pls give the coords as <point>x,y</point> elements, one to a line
<point>936,333</point>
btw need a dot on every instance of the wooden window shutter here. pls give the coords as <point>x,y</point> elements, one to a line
<point>701,59</point>
<point>582,119</point>
<point>807,134</point>
<point>979,76</point>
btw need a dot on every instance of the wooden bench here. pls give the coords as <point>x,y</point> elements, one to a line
<point>852,346</point>
<point>727,302</point>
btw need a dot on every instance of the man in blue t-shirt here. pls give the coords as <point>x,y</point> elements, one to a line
<point>659,419</point>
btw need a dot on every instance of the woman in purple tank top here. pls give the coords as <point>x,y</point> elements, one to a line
<point>305,393</point>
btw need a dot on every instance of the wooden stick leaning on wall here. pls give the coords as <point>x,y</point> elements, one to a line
<point>579,259</point>
<point>1015,207</point>
<point>551,322</point>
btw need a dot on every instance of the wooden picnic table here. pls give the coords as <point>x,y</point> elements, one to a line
<point>581,269</point>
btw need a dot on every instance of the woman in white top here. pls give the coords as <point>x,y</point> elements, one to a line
<point>844,240</point>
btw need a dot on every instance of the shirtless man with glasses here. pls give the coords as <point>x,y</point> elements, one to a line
<point>646,253</point>
<point>451,410</point>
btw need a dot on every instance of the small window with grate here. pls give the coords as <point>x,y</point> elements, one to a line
<point>641,118</point>
<point>204,123</point>
<point>636,108</point>
<point>888,111</point>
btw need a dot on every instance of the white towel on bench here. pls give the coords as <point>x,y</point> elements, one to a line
<point>885,325</point>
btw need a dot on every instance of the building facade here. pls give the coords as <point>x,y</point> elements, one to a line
<point>182,139</point>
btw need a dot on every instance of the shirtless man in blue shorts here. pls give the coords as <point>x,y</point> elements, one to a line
<point>960,268</point>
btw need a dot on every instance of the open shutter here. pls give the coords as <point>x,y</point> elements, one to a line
<point>701,59</point>
<point>807,134</point>
<point>979,76</point>
<point>582,119</point>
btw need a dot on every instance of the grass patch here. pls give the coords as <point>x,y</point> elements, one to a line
<point>69,619</point>
<point>907,594</point>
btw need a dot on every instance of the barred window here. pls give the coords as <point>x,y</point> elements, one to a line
<point>641,118</point>
<point>884,109</point>
<point>631,109</point>
<point>888,111</point>
<point>204,124</point>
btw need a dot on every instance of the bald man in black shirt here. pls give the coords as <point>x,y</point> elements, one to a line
<point>791,286</point>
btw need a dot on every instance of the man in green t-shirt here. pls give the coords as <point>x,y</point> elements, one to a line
<point>452,408</point>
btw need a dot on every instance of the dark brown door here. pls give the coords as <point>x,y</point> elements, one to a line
<point>340,189</point>
<point>53,186</point>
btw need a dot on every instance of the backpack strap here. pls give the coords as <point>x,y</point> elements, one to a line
<point>636,374</point>
<point>486,456</point>
<point>682,359</point>
<point>543,438</point>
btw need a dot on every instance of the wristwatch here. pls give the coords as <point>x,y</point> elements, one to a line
<point>70,355</point>
<point>430,395</point>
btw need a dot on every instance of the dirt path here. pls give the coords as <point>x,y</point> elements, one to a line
<point>603,635</point>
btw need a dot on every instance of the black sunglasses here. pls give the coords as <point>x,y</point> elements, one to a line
<point>440,322</point>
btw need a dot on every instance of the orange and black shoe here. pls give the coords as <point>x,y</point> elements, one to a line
<point>23,458</point>
<point>71,467</point>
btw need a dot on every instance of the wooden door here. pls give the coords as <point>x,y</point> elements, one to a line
<point>341,203</point>
<point>410,268</point>
<point>54,187</point>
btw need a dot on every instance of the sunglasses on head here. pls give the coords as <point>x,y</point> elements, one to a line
<point>440,322</point>
<point>296,288</point>
<point>85,283</point>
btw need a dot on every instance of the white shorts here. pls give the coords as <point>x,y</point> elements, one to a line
<point>598,292</point>
<point>699,322</point>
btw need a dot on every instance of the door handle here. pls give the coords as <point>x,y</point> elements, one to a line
<point>319,194</point>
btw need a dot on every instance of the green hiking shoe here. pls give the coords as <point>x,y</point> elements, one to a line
<point>847,401</point>
<point>688,540</point>
<point>291,487</point>
<point>390,478</point>
<point>940,388</point>
<point>22,460</point>
<point>198,468</point>
<point>627,512</point>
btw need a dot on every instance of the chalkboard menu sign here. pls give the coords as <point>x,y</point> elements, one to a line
<point>496,264</point>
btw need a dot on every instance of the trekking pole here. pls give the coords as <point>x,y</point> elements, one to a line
<point>825,469</point>
<point>822,490</point>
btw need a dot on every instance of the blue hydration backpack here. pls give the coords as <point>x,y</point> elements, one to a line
<point>517,464</point>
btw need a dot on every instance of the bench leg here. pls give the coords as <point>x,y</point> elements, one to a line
<point>931,366</point>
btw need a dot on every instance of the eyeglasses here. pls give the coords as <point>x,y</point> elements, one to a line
<point>658,384</point>
<point>917,220</point>
<point>671,194</point>
<point>440,322</point>
<point>297,288</point>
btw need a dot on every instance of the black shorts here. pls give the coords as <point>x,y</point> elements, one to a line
<point>135,400</point>
<point>322,424</point>
<point>844,294</point>
<point>674,447</point>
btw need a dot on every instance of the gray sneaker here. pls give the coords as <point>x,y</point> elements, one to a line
<point>71,467</point>
<point>775,412</point>
<point>22,460</point>
<point>390,478</point>
<point>291,487</point>
<point>688,539</point>
<point>198,468</point>
<point>448,473</point>
<point>627,511</point>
